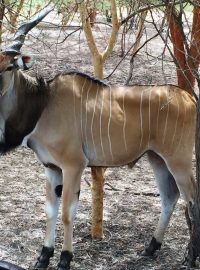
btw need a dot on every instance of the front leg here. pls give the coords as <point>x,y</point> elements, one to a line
<point>70,198</point>
<point>53,194</point>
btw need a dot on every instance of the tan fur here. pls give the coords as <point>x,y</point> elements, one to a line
<point>158,117</point>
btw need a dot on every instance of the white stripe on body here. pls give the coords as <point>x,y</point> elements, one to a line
<point>92,122</point>
<point>86,109</point>
<point>176,120</point>
<point>141,122</point>
<point>109,122</point>
<point>124,122</point>
<point>165,128</point>
<point>100,122</point>
<point>179,143</point>
<point>191,124</point>
<point>75,118</point>
<point>82,89</point>
<point>158,114</point>
<point>149,117</point>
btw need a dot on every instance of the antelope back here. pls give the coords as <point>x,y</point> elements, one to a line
<point>115,125</point>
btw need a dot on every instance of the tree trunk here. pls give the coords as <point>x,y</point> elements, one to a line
<point>140,31</point>
<point>123,40</point>
<point>194,56</point>
<point>13,18</point>
<point>97,202</point>
<point>2,10</point>
<point>193,249</point>
<point>98,65</point>
<point>188,59</point>
<point>66,16</point>
<point>175,26</point>
<point>97,173</point>
<point>136,45</point>
<point>92,15</point>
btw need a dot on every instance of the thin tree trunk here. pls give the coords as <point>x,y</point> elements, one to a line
<point>136,45</point>
<point>193,249</point>
<point>2,10</point>
<point>187,58</point>
<point>98,183</point>
<point>140,31</point>
<point>92,15</point>
<point>97,202</point>
<point>178,44</point>
<point>13,19</point>
<point>194,55</point>
<point>98,64</point>
<point>66,16</point>
<point>97,174</point>
<point>123,40</point>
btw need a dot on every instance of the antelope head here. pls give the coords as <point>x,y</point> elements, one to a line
<point>11,58</point>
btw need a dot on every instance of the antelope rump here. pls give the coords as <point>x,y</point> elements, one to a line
<point>74,121</point>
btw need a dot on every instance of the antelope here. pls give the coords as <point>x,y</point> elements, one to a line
<point>74,121</point>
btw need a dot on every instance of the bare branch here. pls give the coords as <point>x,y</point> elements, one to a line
<point>70,34</point>
<point>87,28</point>
<point>114,33</point>
<point>149,7</point>
<point>132,55</point>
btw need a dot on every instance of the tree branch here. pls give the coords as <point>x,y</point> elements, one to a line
<point>115,29</point>
<point>132,55</point>
<point>149,7</point>
<point>87,28</point>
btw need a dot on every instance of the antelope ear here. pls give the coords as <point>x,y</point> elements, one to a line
<point>23,62</point>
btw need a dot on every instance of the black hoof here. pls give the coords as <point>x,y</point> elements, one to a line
<point>191,258</point>
<point>41,265</point>
<point>145,253</point>
<point>65,260</point>
<point>151,249</point>
<point>44,259</point>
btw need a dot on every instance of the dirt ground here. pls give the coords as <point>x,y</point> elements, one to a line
<point>130,213</point>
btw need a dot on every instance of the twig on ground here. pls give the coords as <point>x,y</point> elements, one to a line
<point>149,194</point>
<point>89,184</point>
<point>112,188</point>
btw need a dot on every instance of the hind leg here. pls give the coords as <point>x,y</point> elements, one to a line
<point>169,195</point>
<point>182,172</point>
